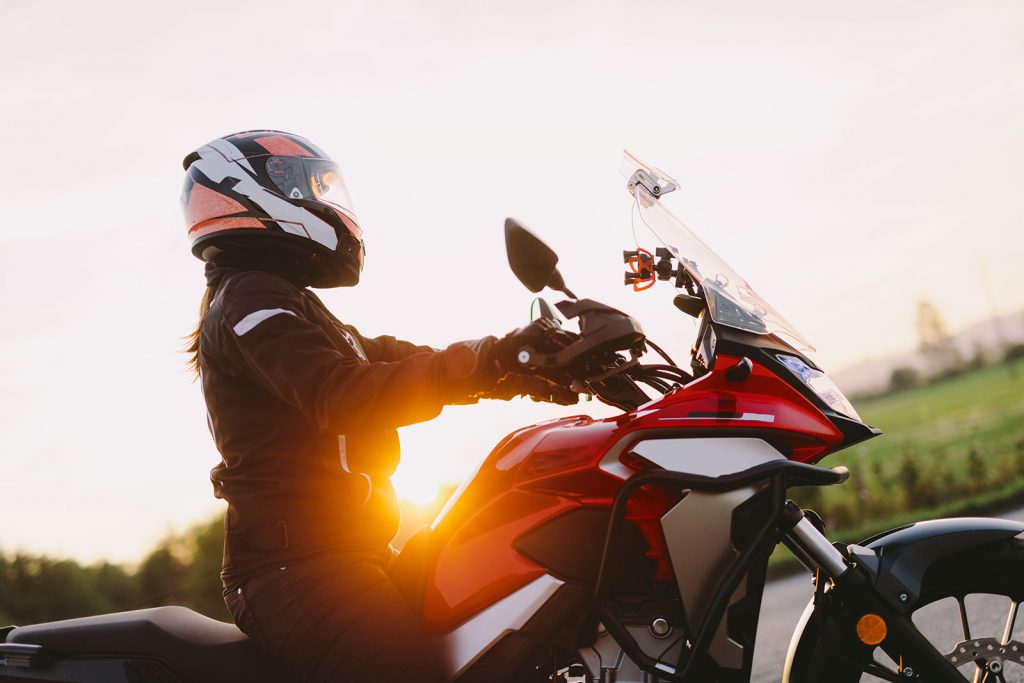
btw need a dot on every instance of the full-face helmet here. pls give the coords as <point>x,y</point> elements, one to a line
<point>274,194</point>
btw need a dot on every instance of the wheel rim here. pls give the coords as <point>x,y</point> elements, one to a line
<point>982,634</point>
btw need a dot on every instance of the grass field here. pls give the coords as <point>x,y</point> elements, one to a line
<point>950,448</point>
<point>983,409</point>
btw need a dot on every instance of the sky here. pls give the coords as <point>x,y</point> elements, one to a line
<point>848,159</point>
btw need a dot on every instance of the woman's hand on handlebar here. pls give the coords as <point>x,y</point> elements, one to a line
<point>542,335</point>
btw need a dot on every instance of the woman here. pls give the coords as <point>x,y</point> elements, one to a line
<point>304,409</point>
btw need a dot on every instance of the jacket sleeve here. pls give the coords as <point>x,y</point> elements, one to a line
<point>378,349</point>
<point>291,356</point>
<point>387,349</point>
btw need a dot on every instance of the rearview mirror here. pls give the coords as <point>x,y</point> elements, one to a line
<point>532,261</point>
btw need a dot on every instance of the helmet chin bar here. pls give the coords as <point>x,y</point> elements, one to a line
<point>297,257</point>
<point>298,260</point>
<point>325,271</point>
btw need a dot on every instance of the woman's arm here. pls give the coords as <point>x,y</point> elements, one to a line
<point>386,348</point>
<point>270,338</point>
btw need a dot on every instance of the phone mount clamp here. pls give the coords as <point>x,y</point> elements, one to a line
<point>645,268</point>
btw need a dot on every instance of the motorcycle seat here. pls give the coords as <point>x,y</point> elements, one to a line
<point>197,648</point>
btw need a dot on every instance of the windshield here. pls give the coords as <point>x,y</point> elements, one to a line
<point>731,300</point>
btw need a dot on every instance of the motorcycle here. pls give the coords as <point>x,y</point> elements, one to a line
<point>634,549</point>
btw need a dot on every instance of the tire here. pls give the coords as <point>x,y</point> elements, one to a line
<point>996,569</point>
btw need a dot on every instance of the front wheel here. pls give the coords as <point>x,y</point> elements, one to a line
<point>968,610</point>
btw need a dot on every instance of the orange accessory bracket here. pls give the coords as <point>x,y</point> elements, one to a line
<point>643,266</point>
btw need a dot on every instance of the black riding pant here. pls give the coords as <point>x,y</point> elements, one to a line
<point>335,617</point>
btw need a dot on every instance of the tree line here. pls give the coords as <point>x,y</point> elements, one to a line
<point>943,358</point>
<point>183,569</point>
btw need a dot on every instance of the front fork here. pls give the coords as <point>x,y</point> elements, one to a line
<point>869,617</point>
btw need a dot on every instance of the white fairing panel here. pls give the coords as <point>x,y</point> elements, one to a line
<point>707,457</point>
<point>698,530</point>
<point>465,644</point>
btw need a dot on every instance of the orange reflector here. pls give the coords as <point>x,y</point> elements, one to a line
<point>871,629</point>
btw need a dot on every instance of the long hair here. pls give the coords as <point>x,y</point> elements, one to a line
<point>193,338</point>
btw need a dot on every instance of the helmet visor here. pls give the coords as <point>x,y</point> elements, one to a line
<point>305,178</point>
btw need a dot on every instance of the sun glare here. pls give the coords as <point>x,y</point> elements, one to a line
<point>416,487</point>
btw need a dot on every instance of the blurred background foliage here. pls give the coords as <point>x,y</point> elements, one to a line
<point>183,569</point>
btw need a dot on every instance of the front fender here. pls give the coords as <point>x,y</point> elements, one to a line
<point>898,560</point>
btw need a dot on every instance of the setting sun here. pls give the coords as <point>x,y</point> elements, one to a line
<point>418,485</point>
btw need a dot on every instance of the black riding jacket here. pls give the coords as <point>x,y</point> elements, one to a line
<point>304,410</point>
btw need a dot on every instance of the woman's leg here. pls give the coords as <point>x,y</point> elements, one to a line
<point>338,618</point>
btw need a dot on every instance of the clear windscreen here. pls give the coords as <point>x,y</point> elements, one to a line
<point>731,300</point>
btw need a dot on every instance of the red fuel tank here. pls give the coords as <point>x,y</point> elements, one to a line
<point>545,470</point>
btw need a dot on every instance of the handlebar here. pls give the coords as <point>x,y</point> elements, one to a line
<point>594,363</point>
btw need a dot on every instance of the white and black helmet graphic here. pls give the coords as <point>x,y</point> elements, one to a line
<point>275,190</point>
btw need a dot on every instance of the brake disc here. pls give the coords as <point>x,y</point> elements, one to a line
<point>986,652</point>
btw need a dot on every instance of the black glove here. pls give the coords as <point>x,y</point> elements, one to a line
<point>474,367</point>
<point>537,388</point>
<point>543,335</point>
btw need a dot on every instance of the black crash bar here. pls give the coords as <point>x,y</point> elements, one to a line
<point>783,474</point>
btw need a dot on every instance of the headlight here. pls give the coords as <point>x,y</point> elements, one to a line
<point>818,382</point>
